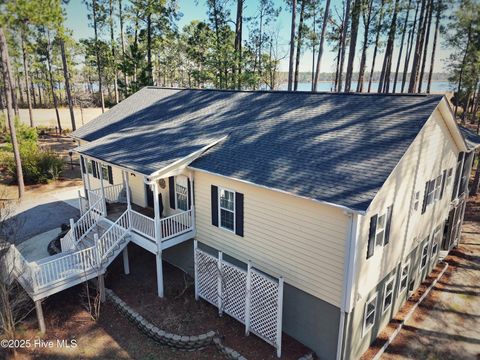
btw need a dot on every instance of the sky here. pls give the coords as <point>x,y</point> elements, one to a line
<point>77,21</point>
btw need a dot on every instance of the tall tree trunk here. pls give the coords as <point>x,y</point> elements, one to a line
<point>149,49</point>
<point>363,58</point>
<point>412,86</point>
<point>320,46</point>
<point>52,86</point>
<point>299,44</point>
<point>238,43</point>
<point>112,41</point>
<point>460,76</point>
<point>97,51</point>
<point>292,46</point>
<point>425,47</point>
<point>26,76</point>
<point>404,31</point>
<point>435,37</point>
<point>9,89</point>
<point>378,29</point>
<point>357,6</point>
<point>408,54</point>
<point>66,75</point>
<point>32,90</point>
<point>343,45</point>
<point>122,39</point>
<point>384,84</point>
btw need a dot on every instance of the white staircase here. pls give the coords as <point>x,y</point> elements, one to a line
<point>89,247</point>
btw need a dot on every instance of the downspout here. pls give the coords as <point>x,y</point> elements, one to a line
<point>351,245</point>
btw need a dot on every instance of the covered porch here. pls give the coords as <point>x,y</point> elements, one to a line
<point>160,210</point>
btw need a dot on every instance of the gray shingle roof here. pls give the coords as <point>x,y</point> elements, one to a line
<point>336,148</point>
<point>472,139</point>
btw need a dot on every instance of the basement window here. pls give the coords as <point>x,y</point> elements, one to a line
<point>424,260</point>
<point>404,278</point>
<point>227,209</point>
<point>369,315</point>
<point>388,295</point>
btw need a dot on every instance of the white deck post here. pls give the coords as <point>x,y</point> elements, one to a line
<point>129,200</point>
<point>195,267</point>
<point>248,294</point>
<point>89,187</point>
<point>72,227</point>
<point>192,207</point>
<point>126,264</point>
<point>41,319</point>
<point>158,239</point>
<point>279,317</point>
<point>103,190</point>
<point>219,284</point>
<point>80,202</point>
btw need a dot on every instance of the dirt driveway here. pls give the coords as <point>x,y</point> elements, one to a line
<point>446,325</point>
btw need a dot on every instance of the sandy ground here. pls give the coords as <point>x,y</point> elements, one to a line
<point>47,117</point>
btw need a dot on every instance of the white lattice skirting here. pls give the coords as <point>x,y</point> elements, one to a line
<point>248,296</point>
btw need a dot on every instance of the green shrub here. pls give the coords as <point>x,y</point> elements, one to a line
<point>39,166</point>
<point>24,133</point>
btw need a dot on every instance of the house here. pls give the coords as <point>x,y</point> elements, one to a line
<point>348,199</point>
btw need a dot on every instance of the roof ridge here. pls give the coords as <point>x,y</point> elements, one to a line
<point>296,92</point>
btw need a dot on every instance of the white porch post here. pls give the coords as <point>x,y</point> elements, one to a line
<point>126,264</point>
<point>101,287</point>
<point>103,190</point>
<point>129,201</point>
<point>158,239</point>
<point>89,187</point>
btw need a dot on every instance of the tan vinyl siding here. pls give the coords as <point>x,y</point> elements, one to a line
<point>433,151</point>
<point>284,235</point>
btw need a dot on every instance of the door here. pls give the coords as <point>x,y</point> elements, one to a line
<point>150,203</point>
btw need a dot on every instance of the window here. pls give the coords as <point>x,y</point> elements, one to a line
<point>424,259</point>
<point>105,172</point>
<point>429,192</point>
<point>449,177</point>
<point>181,193</point>
<point>380,234</point>
<point>369,316</point>
<point>89,167</point>
<point>388,294</point>
<point>438,187</point>
<point>404,277</point>
<point>227,209</point>
<point>416,201</point>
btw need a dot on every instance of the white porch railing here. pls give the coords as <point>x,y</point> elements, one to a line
<point>142,224</point>
<point>87,221</point>
<point>68,242</point>
<point>17,264</point>
<point>113,193</point>
<point>176,224</point>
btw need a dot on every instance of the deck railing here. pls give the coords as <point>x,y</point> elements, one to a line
<point>112,193</point>
<point>87,221</point>
<point>142,224</point>
<point>176,224</point>
<point>21,267</point>
<point>62,268</point>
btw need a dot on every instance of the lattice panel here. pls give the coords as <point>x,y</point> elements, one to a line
<point>234,286</point>
<point>263,307</point>
<point>207,277</point>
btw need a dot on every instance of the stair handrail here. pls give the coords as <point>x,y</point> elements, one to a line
<point>90,211</point>
<point>102,241</point>
<point>22,267</point>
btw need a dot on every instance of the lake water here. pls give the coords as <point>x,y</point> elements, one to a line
<point>436,87</point>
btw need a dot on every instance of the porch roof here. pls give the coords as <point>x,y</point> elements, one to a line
<point>472,139</point>
<point>331,147</point>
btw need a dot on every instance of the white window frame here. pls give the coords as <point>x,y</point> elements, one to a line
<point>385,294</point>
<point>438,188</point>
<point>407,277</point>
<point>176,193</point>
<point>105,176</point>
<point>379,230</point>
<point>433,254</point>
<point>367,328</point>
<point>220,189</point>
<point>416,201</point>
<point>448,181</point>
<point>425,253</point>
<point>89,166</point>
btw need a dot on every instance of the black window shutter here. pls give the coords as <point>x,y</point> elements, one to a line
<point>189,194</point>
<point>214,199</point>
<point>371,236</point>
<point>94,169</point>
<point>239,214</point>
<point>388,225</point>
<point>110,175</point>
<point>82,163</point>
<point>424,206</point>
<point>171,191</point>
<point>444,179</point>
